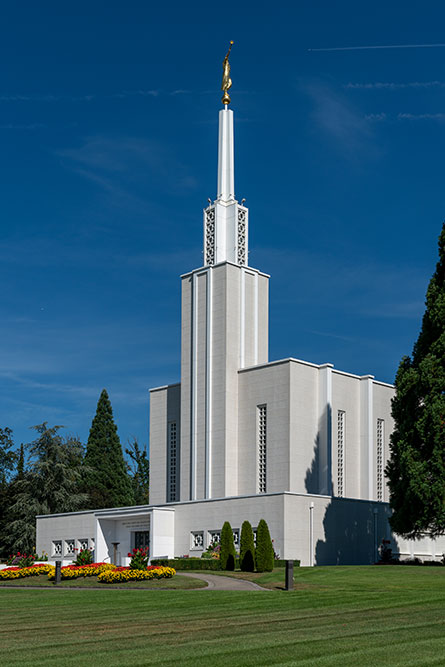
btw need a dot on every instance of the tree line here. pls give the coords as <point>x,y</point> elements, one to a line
<point>56,473</point>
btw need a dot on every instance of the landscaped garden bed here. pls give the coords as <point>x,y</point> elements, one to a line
<point>104,573</point>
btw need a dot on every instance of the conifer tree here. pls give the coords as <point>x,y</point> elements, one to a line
<point>107,481</point>
<point>227,554</point>
<point>264,555</point>
<point>416,468</point>
<point>247,548</point>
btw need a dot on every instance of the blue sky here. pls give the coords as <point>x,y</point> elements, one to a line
<point>108,131</point>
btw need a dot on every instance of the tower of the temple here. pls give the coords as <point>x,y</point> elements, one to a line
<point>224,329</point>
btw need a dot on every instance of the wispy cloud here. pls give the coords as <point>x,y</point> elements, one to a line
<point>327,334</point>
<point>396,291</point>
<point>100,159</point>
<point>380,46</point>
<point>23,126</point>
<point>391,85</point>
<point>339,119</point>
<point>88,97</point>
<point>421,116</point>
<point>376,116</point>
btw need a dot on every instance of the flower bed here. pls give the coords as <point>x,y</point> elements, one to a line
<point>31,571</point>
<point>75,571</point>
<point>106,572</point>
<point>122,574</point>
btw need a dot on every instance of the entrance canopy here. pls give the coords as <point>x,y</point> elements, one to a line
<point>119,531</point>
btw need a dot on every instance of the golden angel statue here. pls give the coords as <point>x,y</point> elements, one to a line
<point>226,80</point>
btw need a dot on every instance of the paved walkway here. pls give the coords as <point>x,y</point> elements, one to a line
<point>216,582</point>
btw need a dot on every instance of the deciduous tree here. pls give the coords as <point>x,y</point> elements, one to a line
<point>140,472</point>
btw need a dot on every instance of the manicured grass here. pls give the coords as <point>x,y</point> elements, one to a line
<point>336,616</point>
<point>178,582</point>
<point>273,580</point>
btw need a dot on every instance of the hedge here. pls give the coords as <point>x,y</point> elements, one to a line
<point>204,563</point>
<point>188,563</point>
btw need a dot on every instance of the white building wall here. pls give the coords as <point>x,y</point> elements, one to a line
<point>165,407</point>
<point>81,525</point>
<point>306,446</point>
<point>264,385</point>
<point>346,397</point>
<point>382,396</point>
<point>224,325</point>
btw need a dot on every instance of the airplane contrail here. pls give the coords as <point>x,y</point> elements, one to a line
<point>388,46</point>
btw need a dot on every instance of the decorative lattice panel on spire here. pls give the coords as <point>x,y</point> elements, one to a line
<point>242,237</point>
<point>209,236</point>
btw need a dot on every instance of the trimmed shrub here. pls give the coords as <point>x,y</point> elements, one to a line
<point>247,548</point>
<point>264,555</point>
<point>228,554</point>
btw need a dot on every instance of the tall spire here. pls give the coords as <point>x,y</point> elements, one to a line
<point>226,171</point>
<point>226,221</point>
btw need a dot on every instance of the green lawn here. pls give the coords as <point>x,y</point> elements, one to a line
<point>178,582</point>
<point>336,616</point>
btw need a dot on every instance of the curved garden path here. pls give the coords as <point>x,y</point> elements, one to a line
<point>216,582</point>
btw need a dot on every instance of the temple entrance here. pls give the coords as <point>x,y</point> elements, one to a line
<point>142,539</point>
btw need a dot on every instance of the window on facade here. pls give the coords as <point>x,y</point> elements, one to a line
<point>172,462</point>
<point>92,543</point>
<point>214,537</point>
<point>141,539</point>
<point>69,547</point>
<point>341,419</point>
<point>262,444</point>
<point>236,538</point>
<point>83,543</point>
<point>380,457</point>
<point>254,535</point>
<point>57,547</point>
<point>197,541</point>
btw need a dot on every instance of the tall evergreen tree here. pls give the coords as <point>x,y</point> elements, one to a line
<point>247,548</point>
<point>416,468</point>
<point>107,481</point>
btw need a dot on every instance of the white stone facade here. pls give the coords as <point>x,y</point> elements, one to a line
<point>301,445</point>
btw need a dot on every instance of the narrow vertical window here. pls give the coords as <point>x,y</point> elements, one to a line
<point>341,418</point>
<point>380,457</point>
<point>172,459</point>
<point>262,444</point>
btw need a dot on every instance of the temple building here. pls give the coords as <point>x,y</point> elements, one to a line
<point>302,445</point>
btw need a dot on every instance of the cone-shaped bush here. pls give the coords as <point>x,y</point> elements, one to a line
<point>264,555</point>
<point>247,548</point>
<point>227,554</point>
